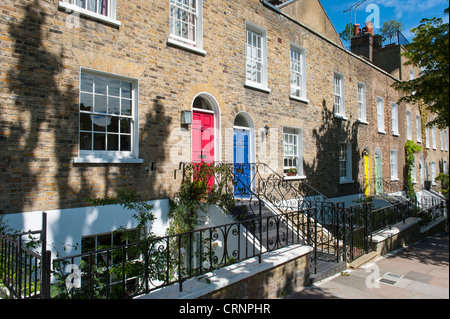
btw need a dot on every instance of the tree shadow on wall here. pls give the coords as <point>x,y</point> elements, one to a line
<point>323,172</point>
<point>40,123</point>
<point>40,139</point>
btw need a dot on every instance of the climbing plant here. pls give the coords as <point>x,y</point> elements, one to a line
<point>202,185</point>
<point>410,149</point>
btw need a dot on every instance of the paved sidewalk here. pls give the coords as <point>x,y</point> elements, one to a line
<point>419,271</point>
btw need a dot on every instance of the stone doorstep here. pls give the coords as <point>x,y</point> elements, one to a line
<point>363,260</point>
<point>202,285</point>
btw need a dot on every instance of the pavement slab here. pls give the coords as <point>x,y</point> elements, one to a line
<point>418,271</point>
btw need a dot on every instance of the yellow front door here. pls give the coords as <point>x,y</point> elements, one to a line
<point>367,175</point>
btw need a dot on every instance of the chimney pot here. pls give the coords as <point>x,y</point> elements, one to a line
<point>369,27</point>
<point>356,29</point>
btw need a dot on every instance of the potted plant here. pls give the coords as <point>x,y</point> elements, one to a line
<point>292,172</point>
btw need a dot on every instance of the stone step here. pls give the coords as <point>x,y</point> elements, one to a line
<point>327,269</point>
<point>363,260</point>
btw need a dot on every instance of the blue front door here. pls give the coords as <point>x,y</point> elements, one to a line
<point>241,163</point>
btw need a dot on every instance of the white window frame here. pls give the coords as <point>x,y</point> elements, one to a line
<point>433,136</point>
<point>427,137</point>
<point>256,57</point>
<point>293,149</point>
<point>418,129</point>
<point>76,6</point>
<point>196,14</point>
<point>394,119</point>
<point>446,140</point>
<point>339,95</point>
<point>394,165</point>
<point>380,115</point>
<point>361,98</point>
<point>298,73</point>
<point>433,173</point>
<point>441,132</point>
<point>444,167</point>
<point>97,156</point>
<point>408,126</point>
<point>345,162</point>
<point>414,171</point>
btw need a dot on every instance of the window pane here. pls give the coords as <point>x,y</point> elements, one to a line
<point>86,102</point>
<point>125,143</point>
<point>104,241</point>
<point>100,122</point>
<point>113,142</point>
<point>125,126</point>
<point>85,141</point>
<point>100,85</point>
<point>126,89</point>
<point>99,142</point>
<point>87,82</point>
<point>126,107</point>
<point>85,122</point>
<point>100,104</point>
<point>114,87</point>
<point>113,105</point>
<point>113,124</point>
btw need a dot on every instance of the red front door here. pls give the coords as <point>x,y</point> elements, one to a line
<point>203,146</point>
<point>202,137</point>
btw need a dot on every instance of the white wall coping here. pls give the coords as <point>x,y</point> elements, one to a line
<point>209,282</point>
<point>394,229</point>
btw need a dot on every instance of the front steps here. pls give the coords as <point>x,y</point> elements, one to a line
<point>327,269</point>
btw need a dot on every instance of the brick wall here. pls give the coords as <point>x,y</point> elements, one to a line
<point>42,55</point>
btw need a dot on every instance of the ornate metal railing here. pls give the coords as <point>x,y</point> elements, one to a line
<point>24,263</point>
<point>141,267</point>
<point>383,187</point>
<point>258,190</point>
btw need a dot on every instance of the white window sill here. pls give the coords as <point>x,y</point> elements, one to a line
<point>297,98</point>
<point>340,116</point>
<point>394,179</point>
<point>254,86</point>
<point>395,134</point>
<point>294,178</point>
<point>346,181</point>
<point>363,122</point>
<point>106,160</point>
<point>185,46</point>
<point>73,8</point>
<point>381,132</point>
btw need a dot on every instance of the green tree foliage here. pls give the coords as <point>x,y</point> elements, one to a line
<point>429,51</point>
<point>347,34</point>
<point>390,28</point>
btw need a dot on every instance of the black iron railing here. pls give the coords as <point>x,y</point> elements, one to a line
<point>139,268</point>
<point>24,266</point>
<point>259,190</point>
<point>394,37</point>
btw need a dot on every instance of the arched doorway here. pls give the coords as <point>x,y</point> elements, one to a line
<point>205,129</point>
<point>243,152</point>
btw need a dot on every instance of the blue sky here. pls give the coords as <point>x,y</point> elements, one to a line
<point>408,12</point>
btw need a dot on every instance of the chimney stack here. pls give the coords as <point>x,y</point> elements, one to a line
<point>362,41</point>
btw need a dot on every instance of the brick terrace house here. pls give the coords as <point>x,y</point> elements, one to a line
<point>94,95</point>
